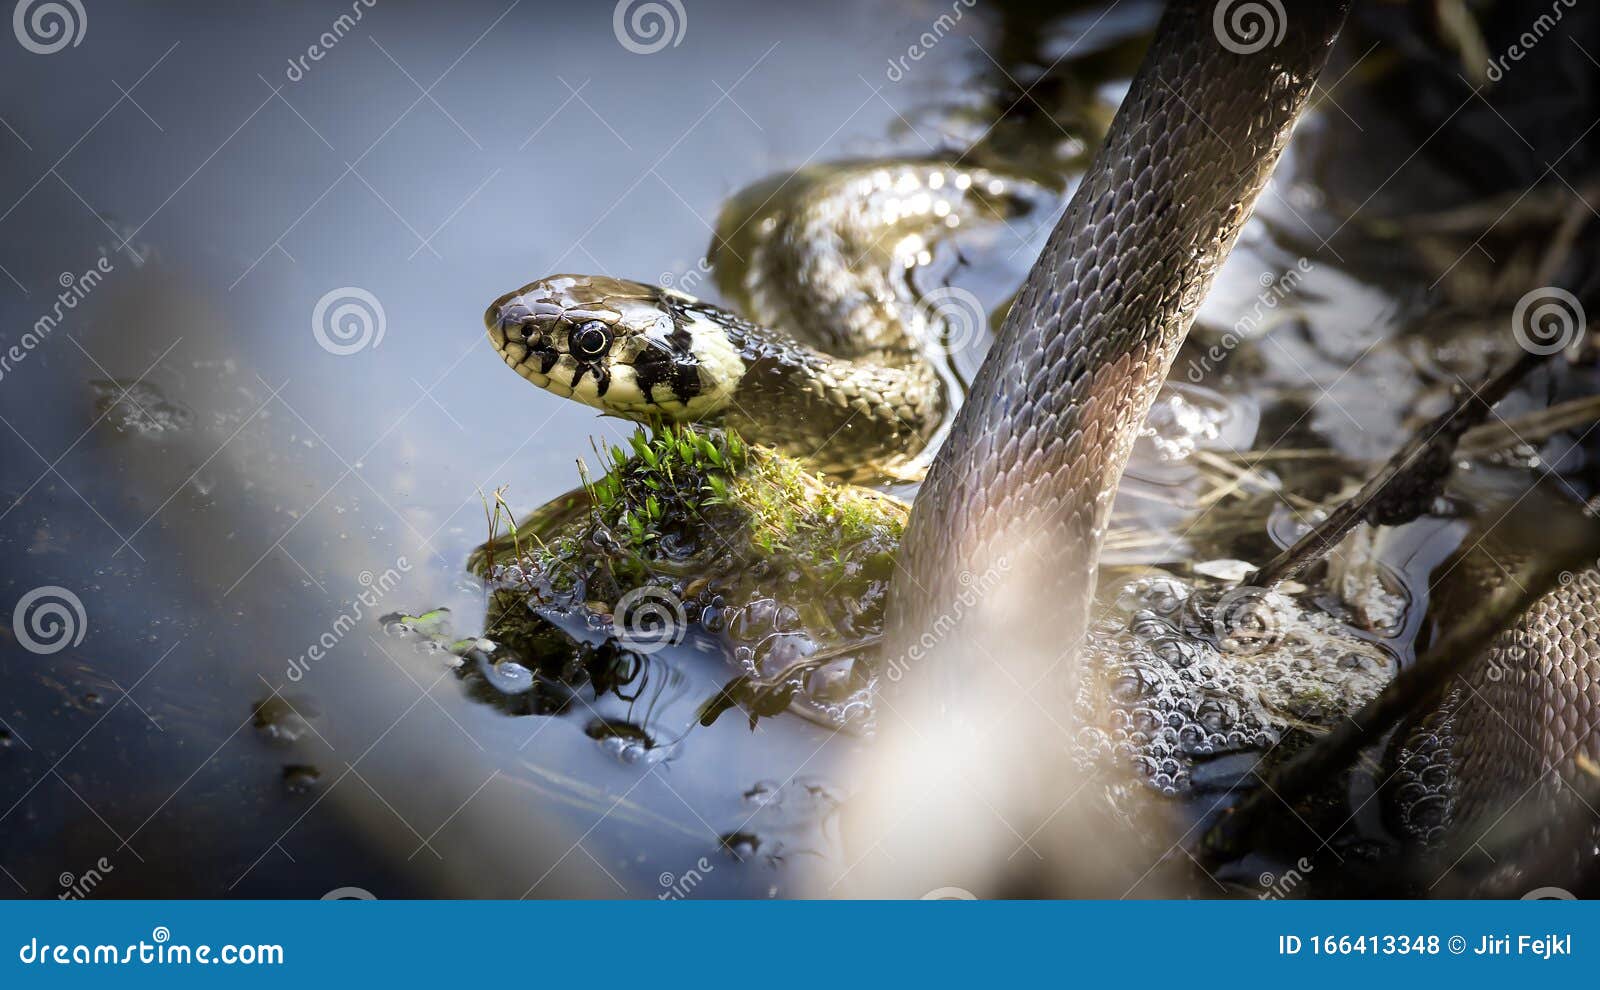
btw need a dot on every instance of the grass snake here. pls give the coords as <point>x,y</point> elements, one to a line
<point>834,361</point>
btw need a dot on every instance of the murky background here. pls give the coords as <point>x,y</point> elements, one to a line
<point>227,487</point>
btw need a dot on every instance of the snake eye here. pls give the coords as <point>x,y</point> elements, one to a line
<point>589,341</point>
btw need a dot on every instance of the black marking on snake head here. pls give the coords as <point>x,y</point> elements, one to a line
<point>602,377</point>
<point>548,356</point>
<point>672,363</point>
<point>676,368</point>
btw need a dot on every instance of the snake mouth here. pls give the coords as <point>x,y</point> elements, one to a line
<point>523,346</point>
<point>505,326</point>
<point>492,321</point>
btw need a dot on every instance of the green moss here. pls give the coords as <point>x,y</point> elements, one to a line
<point>793,514</point>
<point>715,521</point>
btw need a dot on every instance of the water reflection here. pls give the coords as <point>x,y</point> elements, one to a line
<point>212,552</point>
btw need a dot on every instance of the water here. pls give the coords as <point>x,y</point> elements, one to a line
<point>269,417</point>
<point>217,522</point>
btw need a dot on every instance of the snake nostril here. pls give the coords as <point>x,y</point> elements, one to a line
<point>507,323</point>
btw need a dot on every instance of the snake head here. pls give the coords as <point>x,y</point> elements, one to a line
<point>626,348</point>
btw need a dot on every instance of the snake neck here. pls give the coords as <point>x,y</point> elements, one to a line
<point>1018,499</point>
<point>853,419</point>
<point>849,378</point>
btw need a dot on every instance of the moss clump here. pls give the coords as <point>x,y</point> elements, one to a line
<point>759,552</point>
<point>684,496</point>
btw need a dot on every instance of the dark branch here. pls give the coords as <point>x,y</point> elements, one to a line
<point>1467,637</point>
<point>1407,485</point>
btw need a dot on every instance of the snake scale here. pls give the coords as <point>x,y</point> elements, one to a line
<point>833,366</point>
<point>830,363</point>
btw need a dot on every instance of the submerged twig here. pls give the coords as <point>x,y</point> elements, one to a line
<point>1404,487</point>
<point>767,696</point>
<point>1464,642</point>
<point>1529,428</point>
